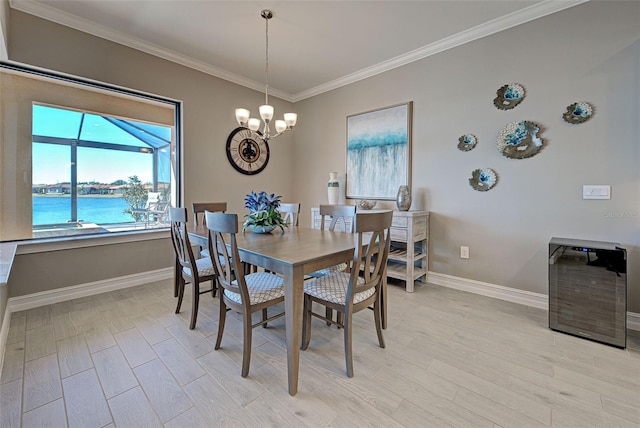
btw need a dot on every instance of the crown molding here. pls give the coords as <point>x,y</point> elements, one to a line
<point>511,20</point>
<point>52,14</point>
<point>488,28</point>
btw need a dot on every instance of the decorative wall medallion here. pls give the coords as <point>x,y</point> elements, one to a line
<point>509,96</point>
<point>483,179</point>
<point>578,112</point>
<point>519,140</point>
<point>467,142</point>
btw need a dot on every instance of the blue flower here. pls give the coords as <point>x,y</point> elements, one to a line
<point>263,210</point>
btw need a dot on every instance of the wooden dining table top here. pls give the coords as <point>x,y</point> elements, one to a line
<point>295,246</point>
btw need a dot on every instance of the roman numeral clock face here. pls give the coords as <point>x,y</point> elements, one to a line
<point>246,153</point>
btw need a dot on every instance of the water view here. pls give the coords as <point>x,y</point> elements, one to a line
<point>91,209</point>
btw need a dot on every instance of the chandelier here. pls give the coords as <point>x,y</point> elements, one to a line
<point>266,110</point>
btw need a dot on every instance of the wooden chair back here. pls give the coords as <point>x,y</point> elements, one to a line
<point>339,215</point>
<point>373,242</point>
<point>201,207</point>
<point>290,213</point>
<point>180,239</point>
<point>225,259</point>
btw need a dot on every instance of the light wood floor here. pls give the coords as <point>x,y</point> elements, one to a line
<point>452,359</point>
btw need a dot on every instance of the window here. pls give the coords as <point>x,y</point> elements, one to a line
<point>92,160</point>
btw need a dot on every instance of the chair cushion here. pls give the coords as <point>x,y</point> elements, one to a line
<point>204,266</point>
<point>204,252</point>
<point>333,288</point>
<point>262,287</point>
<point>328,271</point>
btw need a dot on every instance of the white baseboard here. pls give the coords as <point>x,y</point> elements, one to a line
<point>633,321</point>
<point>528,298</point>
<point>21,303</point>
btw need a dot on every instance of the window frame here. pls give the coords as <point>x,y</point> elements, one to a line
<point>102,89</point>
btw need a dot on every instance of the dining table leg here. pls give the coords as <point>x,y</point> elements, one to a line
<point>293,301</point>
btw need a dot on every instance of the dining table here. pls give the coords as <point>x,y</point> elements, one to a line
<point>293,253</point>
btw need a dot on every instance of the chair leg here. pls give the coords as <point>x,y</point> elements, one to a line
<point>176,278</point>
<point>348,348</point>
<point>383,302</point>
<point>181,283</point>
<point>328,312</point>
<point>264,317</point>
<point>377,317</point>
<point>214,286</point>
<point>306,323</point>
<point>221,320</point>
<point>195,303</point>
<point>246,349</point>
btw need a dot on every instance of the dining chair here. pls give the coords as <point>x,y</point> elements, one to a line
<point>343,215</point>
<point>348,293</point>
<point>192,270</point>
<point>243,293</point>
<point>200,208</point>
<point>290,213</point>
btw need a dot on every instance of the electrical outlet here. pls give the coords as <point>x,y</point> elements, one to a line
<point>464,252</point>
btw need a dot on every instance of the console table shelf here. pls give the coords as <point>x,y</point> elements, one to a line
<point>409,257</point>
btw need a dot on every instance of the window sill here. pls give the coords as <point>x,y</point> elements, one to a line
<point>44,245</point>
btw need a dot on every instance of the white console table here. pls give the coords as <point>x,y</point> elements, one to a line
<point>409,257</point>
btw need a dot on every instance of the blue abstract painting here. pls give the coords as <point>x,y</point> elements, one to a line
<point>378,152</point>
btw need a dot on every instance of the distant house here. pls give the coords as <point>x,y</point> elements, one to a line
<point>117,190</point>
<point>58,189</point>
<point>39,188</point>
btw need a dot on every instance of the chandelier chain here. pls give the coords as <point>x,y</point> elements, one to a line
<point>266,67</point>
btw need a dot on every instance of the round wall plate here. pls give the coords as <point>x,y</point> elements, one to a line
<point>483,179</point>
<point>578,112</point>
<point>467,142</point>
<point>509,96</point>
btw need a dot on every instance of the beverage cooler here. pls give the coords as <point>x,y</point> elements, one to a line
<point>588,290</point>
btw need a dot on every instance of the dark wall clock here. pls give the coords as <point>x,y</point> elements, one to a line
<point>246,152</point>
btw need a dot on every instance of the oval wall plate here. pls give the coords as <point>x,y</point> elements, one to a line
<point>520,140</point>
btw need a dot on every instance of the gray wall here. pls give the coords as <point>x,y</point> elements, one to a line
<point>32,273</point>
<point>590,52</point>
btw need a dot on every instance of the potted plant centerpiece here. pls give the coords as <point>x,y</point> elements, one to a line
<point>263,214</point>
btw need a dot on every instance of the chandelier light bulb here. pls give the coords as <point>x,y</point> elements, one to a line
<point>281,126</point>
<point>254,124</point>
<point>242,116</point>
<point>266,113</point>
<point>290,119</point>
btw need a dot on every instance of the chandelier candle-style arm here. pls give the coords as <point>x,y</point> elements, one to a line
<point>266,110</point>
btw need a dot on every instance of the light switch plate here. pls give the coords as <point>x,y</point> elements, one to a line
<point>596,191</point>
